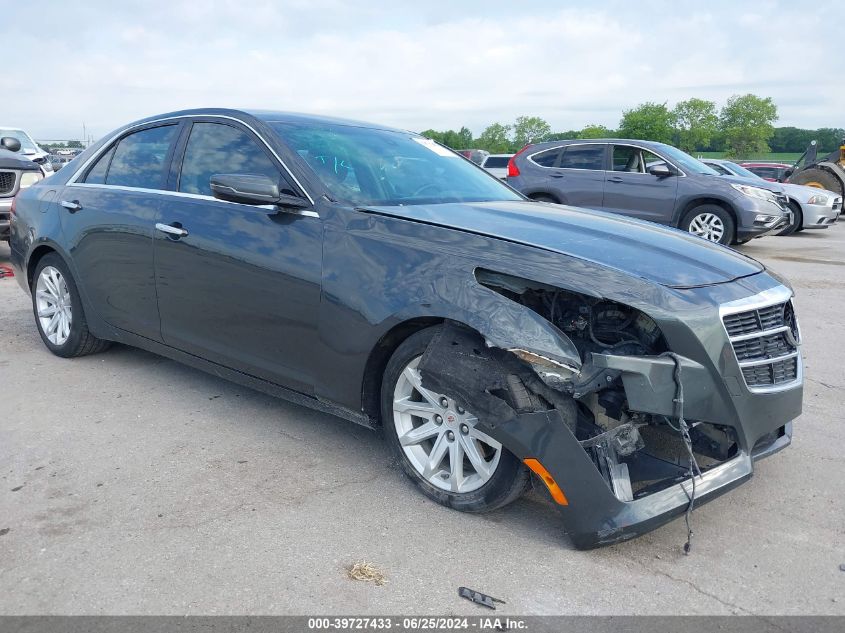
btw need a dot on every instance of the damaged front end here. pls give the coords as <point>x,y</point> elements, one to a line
<point>627,434</point>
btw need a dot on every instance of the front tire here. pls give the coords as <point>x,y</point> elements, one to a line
<point>58,311</point>
<point>437,442</point>
<point>797,220</point>
<point>710,222</point>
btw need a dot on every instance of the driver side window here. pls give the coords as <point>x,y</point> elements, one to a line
<point>217,148</point>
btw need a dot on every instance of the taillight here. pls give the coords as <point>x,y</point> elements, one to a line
<point>513,170</point>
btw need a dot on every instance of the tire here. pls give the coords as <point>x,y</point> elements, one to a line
<point>508,477</point>
<point>54,292</point>
<point>541,197</point>
<point>815,176</point>
<point>710,222</point>
<point>797,220</point>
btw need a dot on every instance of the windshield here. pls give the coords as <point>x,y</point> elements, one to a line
<point>28,146</point>
<point>366,166</point>
<point>739,170</point>
<point>687,162</point>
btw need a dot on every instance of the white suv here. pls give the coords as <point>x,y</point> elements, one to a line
<point>29,147</point>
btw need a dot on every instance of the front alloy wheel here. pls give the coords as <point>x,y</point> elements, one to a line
<point>439,438</point>
<point>438,444</point>
<point>709,226</point>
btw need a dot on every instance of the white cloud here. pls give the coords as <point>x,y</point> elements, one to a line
<point>440,65</point>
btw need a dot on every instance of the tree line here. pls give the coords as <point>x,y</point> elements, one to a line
<point>743,127</point>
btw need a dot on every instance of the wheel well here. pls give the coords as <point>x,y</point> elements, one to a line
<point>36,257</point>
<point>380,355</point>
<point>700,201</point>
<point>543,194</point>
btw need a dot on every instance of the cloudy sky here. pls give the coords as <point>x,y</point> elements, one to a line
<point>415,65</point>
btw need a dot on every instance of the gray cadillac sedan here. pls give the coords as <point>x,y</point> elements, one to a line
<point>631,370</point>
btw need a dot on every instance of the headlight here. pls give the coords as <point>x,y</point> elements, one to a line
<point>818,199</point>
<point>755,192</point>
<point>29,178</point>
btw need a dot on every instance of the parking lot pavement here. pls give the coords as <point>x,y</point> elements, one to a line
<point>132,484</point>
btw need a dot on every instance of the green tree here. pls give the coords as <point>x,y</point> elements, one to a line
<point>496,138</point>
<point>648,121</point>
<point>529,129</point>
<point>76,144</point>
<point>595,131</point>
<point>829,138</point>
<point>746,121</point>
<point>562,136</point>
<point>695,122</point>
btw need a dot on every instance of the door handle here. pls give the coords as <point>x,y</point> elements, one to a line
<point>73,205</point>
<point>556,175</point>
<point>615,179</point>
<point>176,231</point>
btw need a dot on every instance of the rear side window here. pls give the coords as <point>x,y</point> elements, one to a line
<point>97,174</point>
<point>547,158</point>
<point>136,161</point>
<point>216,148</point>
<point>497,161</point>
<point>583,157</point>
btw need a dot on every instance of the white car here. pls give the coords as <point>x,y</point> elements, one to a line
<point>29,148</point>
<point>497,164</point>
<point>812,208</point>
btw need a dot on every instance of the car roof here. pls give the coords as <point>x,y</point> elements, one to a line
<point>268,116</point>
<point>752,163</point>
<point>585,141</point>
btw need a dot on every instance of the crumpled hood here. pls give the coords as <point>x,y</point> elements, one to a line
<point>659,254</point>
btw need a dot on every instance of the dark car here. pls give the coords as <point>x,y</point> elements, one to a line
<point>376,275</point>
<point>650,181</point>
<point>773,172</point>
<point>16,172</point>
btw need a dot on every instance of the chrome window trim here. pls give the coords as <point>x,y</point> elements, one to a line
<point>767,298</point>
<point>107,145</point>
<point>681,172</point>
<point>196,196</point>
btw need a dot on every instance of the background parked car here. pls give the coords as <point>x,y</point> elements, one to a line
<point>812,208</point>
<point>649,181</point>
<point>16,173</point>
<point>497,164</point>
<point>773,172</point>
<point>28,147</point>
<point>475,155</point>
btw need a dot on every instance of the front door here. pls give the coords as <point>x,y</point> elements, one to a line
<point>241,285</point>
<point>630,190</point>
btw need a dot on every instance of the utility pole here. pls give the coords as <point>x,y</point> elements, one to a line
<point>84,135</point>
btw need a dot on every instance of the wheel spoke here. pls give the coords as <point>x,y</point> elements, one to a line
<point>456,464</point>
<point>419,434</point>
<point>47,311</point>
<point>483,437</point>
<point>435,458</point>
<point>53,324</point>
<point>413,376</point>
<point>470,447</point>
<point>419,409</point>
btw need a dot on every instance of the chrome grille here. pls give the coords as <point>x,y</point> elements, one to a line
<point>765,340</point>
<point>7,181</point>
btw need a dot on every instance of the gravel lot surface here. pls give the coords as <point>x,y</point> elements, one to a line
<point>130,484</point>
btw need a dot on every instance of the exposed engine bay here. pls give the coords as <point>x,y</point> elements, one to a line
<point>637,452</point>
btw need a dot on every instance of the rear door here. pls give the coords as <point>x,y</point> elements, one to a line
<point>631,190</point>
<point>108,213</point>
<point>242,287</point>
<point>578,176</point>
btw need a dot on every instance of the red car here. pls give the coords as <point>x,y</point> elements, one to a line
<point>773,172</point>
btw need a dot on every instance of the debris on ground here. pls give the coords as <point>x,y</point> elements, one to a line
<point>6,271</point>
<point>479,598</point>
<point>366,572</point>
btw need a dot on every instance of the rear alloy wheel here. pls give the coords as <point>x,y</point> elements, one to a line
<point>439,444</point>
<point>58,311</point>
<point>711,222</point>
<point>797,220</point>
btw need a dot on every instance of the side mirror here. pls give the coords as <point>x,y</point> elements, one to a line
<point>251,189</point>
<point>10,143</point>
<point>660,170</point>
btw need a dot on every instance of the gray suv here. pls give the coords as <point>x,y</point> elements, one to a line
<point>649,181</point>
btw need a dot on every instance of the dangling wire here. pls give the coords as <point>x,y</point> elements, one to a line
<point>683,430</point>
